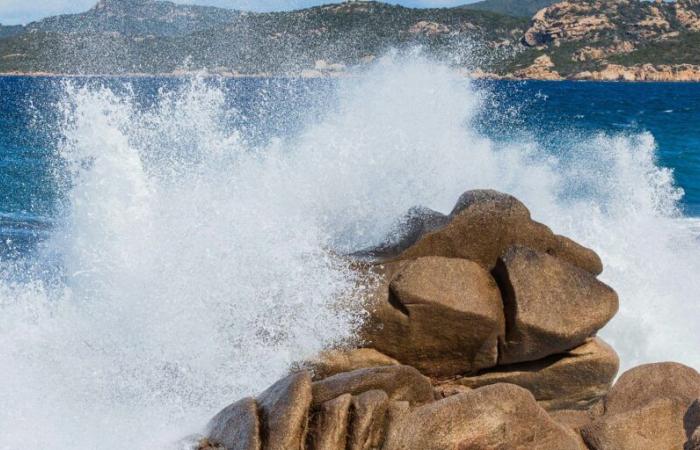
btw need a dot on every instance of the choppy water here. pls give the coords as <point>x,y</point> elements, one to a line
<point>169,245</point>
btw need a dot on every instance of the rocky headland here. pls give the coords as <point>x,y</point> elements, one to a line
<point>481,335</point>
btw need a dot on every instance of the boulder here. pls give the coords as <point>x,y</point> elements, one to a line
<point>483,224</point>
<point>236,427</point>
<point>493,417</point>
<point>551,306</point>
<point>369,413</point>
<point>647,383</point>
<point>401,383</point>
<point>330,424</point>
<point>332,362</point>
<point>284,409</point>
<point>655,425</point>
<point>443,316</point>
<point>574,380</point>
<point>651,406</point>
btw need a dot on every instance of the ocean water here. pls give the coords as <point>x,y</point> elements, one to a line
<point>170,245</point>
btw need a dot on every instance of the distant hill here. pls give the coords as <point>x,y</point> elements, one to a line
<point>518,8</point>
<point>586,38</point>
<point>137,17</point>
<point>10,30</point>
<point>151,36</point>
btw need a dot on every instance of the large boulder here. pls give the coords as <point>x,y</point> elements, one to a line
<point>401,383</point>
<point>284,410</point>
<point>551,306</point>
<point>651,406</point>
<point>500,416</point>
<point>329,427</point>
<point>443,316</point>
<point>574,380</point>
<point>482,225</point>
<point>236,427</point>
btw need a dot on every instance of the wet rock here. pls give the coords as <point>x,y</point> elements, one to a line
<point>574,380</point>
<point>332,362</point>
<point>484,223</point>
<point>236,427</point>
<point>401,383</point>
<point>498,416</point>
<point>443,316</point>
<point>551,306</point>
<point>284,409</point>
<point>330,424</point>
<point>416,223</point>
<point>369,411</point>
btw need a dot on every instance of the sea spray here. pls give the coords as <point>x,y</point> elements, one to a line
<point>191,265</point>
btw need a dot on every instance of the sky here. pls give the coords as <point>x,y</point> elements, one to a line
<point>23,11</point>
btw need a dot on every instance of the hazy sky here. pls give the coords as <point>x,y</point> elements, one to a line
<point>23,11</point>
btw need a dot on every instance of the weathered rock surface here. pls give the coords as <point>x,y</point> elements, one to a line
<point>443,316</point>
<point>329,427</point>
<point>658,424</point>
<point>575,379</point>
<point>484,224</point>
<point>651,406</point>
<point>284,410</point>
<point>401,383</point>
<point>237,426</point>
<point>498,416</point>
<point>369,411</point>
<point>550,305</point>
<point>333,362</point>
<point>644,384</point>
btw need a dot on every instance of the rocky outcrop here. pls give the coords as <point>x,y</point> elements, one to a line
<point>644,72</point>
<point>480,336</point>
<point>482,225</point>
<point>541,69</point>
<point>566,21</point>
<point>589,53</point>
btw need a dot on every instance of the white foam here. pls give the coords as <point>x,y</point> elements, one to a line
<point>194,269</point>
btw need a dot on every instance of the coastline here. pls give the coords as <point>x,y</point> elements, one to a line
<point>334,75</point>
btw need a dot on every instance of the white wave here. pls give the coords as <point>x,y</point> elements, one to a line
<point>194,268</point>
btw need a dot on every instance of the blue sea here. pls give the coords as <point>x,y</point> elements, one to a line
<point>169,245</point>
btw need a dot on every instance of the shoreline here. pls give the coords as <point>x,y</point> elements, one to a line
<point>486,77</point>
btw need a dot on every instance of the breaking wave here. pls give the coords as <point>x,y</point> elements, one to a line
<point>192,265</point>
